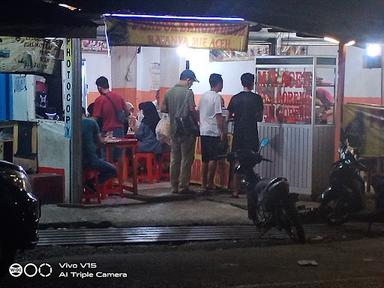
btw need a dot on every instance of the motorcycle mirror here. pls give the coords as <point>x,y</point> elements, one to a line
<point>264,142</point>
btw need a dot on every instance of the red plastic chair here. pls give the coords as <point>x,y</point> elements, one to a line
<point>113,185</point>
<point>88,195</point>
<point>147,160</point>
<point>165,161</point>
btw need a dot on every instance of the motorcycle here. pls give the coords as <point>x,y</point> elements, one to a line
<point>345,193</point>
<point>269,202</point>
<point>19,213</point>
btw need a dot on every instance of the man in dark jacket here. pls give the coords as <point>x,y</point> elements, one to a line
<point>247,109</point>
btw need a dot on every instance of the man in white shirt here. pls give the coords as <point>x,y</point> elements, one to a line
<point>211,130</point>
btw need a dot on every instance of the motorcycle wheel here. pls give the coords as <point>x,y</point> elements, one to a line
<point>334,211</point>
<point>7,255</point>
<point>293,225</point>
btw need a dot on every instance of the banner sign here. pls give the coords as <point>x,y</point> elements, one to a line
<point>67,77</point>
<point>208,35</point>
<point>287,95</point>
<point>363,126</point>
<point>28,55</point>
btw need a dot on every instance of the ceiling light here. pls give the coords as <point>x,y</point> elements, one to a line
<point>67,6</point>
<point>182,50</point>
<point>332,40</point>
<point>350,43</point>
<point>173,17</point>
<point>373,49</point>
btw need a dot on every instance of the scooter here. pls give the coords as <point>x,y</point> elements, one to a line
<point>269,202</point>
<point>345,193</point>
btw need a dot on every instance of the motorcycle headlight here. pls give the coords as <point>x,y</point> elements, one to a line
<point>21,181</point>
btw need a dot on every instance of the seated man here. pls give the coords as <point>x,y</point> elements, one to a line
<point>90,140</point>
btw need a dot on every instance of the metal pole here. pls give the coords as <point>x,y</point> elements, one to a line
<point>382,77</point>
<point>76,167</point>
<point>340,97</point>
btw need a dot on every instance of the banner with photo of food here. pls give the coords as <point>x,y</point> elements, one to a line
<point>28,55</point>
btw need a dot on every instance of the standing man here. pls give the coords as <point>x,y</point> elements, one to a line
<point>211,130</point>
<point>179,102</point>
<point>247,109</point>
<point>106,108</point>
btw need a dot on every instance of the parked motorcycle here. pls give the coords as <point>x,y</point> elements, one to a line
<point>19,213</point>
<point>346,188</point>
<point>269,202</point>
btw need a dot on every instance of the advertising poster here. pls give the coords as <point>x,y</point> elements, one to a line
<point>363,126</point>
<point>28,55</point>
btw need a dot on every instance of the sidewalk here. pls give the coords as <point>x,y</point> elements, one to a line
<point>154,206</point>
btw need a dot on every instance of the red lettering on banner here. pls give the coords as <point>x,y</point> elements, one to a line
<point>286,79</point>
<point>167,40</point>
<point>262,78</point>
<point>299,80</point>
<point>307,83</point>
<point>272,77</point>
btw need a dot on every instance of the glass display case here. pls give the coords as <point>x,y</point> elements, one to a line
<point>287,86</point>
<point>299,106</point>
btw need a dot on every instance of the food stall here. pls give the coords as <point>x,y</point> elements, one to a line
<point>299,105</point>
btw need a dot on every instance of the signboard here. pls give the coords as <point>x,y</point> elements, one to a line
<point>28,55</point>
<point>208,35</point>
<point>68,60</point>
<point>98,46</point>
<point>253,51</point>
<point>363,126</point>
<point>287,95</point>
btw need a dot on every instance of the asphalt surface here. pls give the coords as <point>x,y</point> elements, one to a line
<point>274,263</point>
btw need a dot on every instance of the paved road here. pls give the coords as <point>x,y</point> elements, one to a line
<point>353,263</point>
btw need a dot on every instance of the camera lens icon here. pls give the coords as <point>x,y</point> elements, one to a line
<point>30,270</point>
<point>16,270</point>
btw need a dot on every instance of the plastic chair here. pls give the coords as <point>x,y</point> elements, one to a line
<point>88,194</point>
<point>150,173</point>
<point>164,165</point>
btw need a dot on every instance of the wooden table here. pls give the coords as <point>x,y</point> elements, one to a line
<point>125,144</point>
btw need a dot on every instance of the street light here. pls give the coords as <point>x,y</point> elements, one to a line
<point>373,49</point>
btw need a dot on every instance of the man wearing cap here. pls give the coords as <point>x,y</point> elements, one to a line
<point>179,102</point>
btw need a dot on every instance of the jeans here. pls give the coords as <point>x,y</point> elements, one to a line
<point>106,169</point>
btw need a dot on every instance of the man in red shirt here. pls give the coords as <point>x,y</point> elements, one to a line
<point>106,108</point>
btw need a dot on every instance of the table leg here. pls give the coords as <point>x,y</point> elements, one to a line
<point>134,172</point>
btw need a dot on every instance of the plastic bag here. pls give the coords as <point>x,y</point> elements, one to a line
<point>163,130</point>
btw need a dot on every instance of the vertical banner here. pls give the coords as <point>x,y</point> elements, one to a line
<point>68,60</point>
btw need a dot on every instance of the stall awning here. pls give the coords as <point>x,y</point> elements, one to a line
<point>170,32</point>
